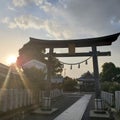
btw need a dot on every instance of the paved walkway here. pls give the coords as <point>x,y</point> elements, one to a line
<point>75,111</point>
<point>62,103</point>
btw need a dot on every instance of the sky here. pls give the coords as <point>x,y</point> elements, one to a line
<point>59,19</point>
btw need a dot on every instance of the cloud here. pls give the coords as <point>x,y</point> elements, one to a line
<point>94,15</point>
<point>31,22</point>
<point>20,3</point>
<point>115,20</point>
<point>46,5</point>
<point>5,20</point>
<point>11,8</point>
<point>58,30</point>
<point>70,19</point>
<point>23,3</point>
<point>26,22</point>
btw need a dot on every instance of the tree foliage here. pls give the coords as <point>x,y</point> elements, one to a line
<point>110,77</point>
<point>69,84</point>
<point>56,66</point>
<point>110,86</point>
<point>30,51</point>
<point>110,73</point>
<point>36,77</point>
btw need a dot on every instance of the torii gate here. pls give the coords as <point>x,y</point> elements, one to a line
<point>71,45</point>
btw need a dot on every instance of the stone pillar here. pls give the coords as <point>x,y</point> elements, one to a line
<point>46,104</point>
<point>49,70</point>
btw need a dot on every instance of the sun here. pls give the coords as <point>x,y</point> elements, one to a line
<point>11,59</point>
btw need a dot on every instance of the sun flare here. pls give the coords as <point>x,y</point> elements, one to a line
<point>11,59</point>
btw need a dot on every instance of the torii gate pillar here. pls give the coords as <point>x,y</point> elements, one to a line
<point>96,73</point>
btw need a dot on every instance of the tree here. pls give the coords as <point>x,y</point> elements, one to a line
<point>36,77</point>
<point>56,66</point>
<point>108,72</point>
<point>110,77</point>
<point>30,51</point>
<point>69,84</point>
<point>117,76</point>
<point>110,86</point>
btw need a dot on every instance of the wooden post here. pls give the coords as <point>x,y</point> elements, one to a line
<point>96,73</point>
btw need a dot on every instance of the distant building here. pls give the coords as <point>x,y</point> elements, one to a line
<point>57,79</point>
<point>87,82</point>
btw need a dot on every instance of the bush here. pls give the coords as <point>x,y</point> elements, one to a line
<point>69,84</point>
<point>110,86</point>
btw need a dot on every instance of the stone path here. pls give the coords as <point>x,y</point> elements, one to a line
<point>75,111</point>
<point>62,103</point>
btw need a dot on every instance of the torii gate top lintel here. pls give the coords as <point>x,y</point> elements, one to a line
<point>88,42</point>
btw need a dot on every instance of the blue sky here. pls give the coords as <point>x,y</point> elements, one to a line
<point>59,19</point>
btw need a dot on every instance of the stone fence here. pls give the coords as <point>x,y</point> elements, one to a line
<point>108,97</point>
<point>112,99</point>
<point>117,100</point>
<point>11,99</point>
